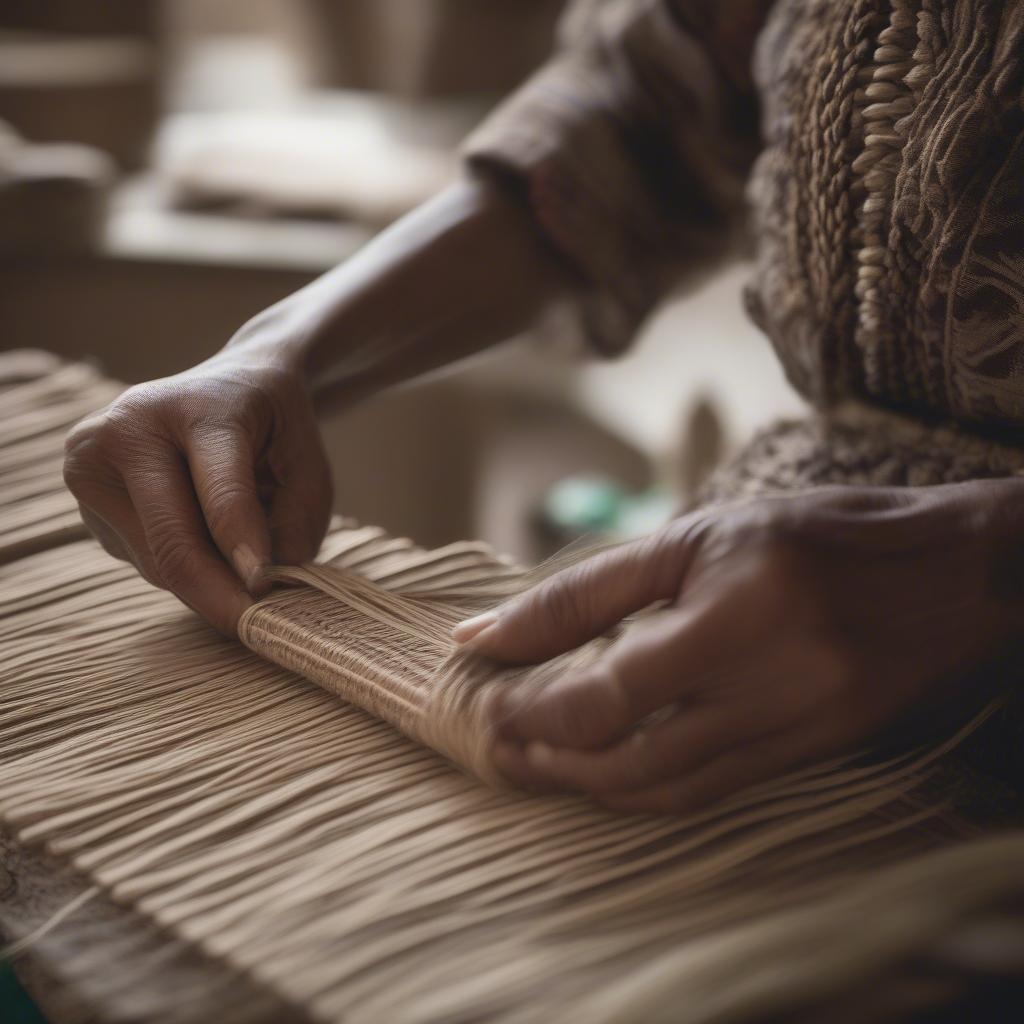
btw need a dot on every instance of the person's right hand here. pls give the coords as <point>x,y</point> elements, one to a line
<point>204,478</point>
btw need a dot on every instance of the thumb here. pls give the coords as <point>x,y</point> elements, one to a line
<point>583,601</point>
<point>223,474</point>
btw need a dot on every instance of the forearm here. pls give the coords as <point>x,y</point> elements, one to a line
<point>466,270</point>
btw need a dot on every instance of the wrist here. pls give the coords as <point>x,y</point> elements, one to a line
<point>279,337</point>
<point>464,271</point>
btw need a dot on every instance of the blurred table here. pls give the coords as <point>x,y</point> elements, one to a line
<point>164,288</point>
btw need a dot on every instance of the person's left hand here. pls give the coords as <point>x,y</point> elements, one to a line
<point>796,628</point>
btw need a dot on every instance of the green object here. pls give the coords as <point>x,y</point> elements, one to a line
<point>580,504</point>
<point>15,1006</point>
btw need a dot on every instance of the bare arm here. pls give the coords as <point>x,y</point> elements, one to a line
<point>466,270</point>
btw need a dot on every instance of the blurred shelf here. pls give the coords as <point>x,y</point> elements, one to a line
<point>163,288</point>
<point>143,226</point>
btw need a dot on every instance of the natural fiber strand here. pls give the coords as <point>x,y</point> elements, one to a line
<point>290,835</point>
<point>314,849</point>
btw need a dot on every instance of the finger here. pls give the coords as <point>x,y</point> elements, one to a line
<point>644,758</point>
<point>584,601</point>
<point>222,466</point>
<point>184,557</point>
<point>105,535</point>
<point>107,511</point>
<point>514,764</point>
<point>757,762</point>
<point>300,509</point>
<point>656,663</point>
<point>128,541</point>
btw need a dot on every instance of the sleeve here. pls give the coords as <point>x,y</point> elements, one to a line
<point>632,147</point>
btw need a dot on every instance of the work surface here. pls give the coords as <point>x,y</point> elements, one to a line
<point>227,867</point>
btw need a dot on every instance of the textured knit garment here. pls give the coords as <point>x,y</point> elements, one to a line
<point>885,185</point>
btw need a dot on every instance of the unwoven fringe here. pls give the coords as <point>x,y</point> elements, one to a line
<point>293,838</point>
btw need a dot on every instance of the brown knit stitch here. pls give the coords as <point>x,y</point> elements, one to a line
<point>887,202</point>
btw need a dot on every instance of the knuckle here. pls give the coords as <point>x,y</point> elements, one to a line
<point>233,398</point>
<point>175,559</point>
<point>574,720</point>
<point>589,712</point>
<point>223,499</point>
<point>665,558</point>
<point>559,604</point>
<point>221,441</point>
<point>145,414</point>
<point>82,456</point>
<point>671,545</point>
<point>759,536</point>
<point>107,436</point>
<point>77,474</point>
<point>80,437</point>
<point>137,405</point>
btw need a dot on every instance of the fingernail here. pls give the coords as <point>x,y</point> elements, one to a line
<point>470,631</point>
<point>249,569</point>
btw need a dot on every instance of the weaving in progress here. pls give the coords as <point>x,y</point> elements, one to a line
<point>250,846</point>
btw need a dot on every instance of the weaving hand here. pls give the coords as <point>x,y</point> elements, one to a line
<point>795,629</point>
<point>203,478</point>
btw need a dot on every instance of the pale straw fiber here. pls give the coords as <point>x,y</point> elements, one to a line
<point>322,857</point>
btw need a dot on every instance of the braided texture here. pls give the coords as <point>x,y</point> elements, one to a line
<point>889,203</point>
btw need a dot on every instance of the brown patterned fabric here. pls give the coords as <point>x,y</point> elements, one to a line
<point>887,200</point>
<point>634,144</point>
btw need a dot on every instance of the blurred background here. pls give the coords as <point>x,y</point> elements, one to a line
<point>170,167</point>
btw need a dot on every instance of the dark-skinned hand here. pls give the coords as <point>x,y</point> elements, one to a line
<point>202,479</point>
<point>794,628</point>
